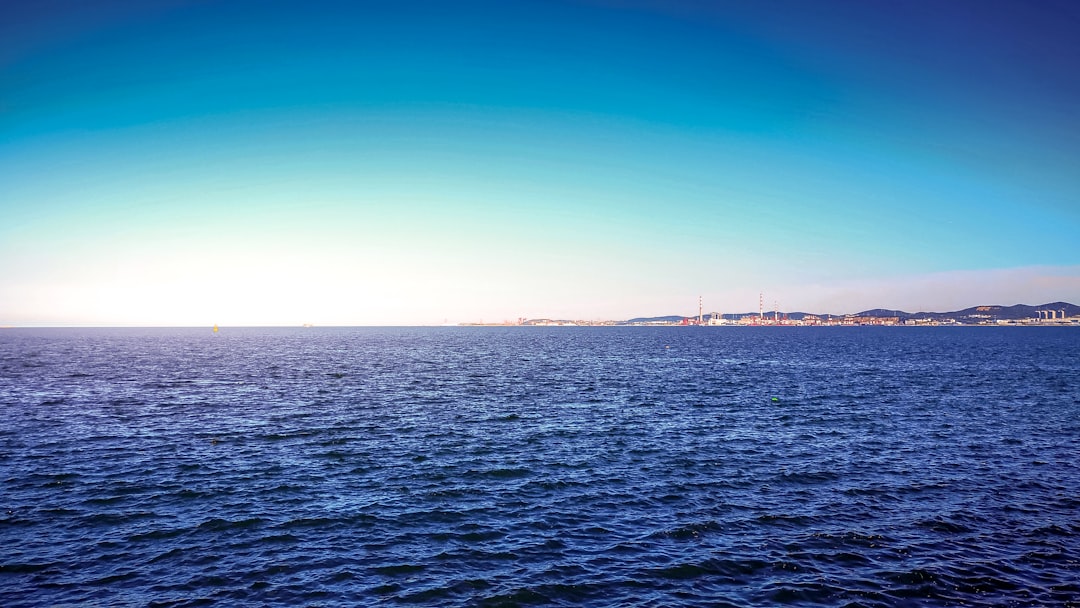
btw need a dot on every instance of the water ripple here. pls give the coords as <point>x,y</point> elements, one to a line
<point>522,466</point>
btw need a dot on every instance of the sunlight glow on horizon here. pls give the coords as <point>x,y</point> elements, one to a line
<point>293,298</point>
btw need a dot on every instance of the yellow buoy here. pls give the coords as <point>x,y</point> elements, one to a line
<point>215,328</point>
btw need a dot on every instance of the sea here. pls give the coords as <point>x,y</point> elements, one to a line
<point>540,466</point>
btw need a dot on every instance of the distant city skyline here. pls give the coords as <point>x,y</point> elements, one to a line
<point>250,163</point>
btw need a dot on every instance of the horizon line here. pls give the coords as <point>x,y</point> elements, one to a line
<point>62,324</point>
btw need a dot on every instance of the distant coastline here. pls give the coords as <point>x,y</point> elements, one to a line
<point>1053,314</point>
<point>1050,314</point>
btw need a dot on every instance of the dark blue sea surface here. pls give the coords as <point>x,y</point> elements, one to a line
<point>481,466</point>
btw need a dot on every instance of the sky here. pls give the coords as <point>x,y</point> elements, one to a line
<point>408,163</point>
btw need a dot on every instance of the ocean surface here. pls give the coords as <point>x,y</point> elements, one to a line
<point>517,466</point>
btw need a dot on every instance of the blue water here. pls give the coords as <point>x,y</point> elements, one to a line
<point>540,466</point>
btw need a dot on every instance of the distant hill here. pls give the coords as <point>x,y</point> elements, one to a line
<point>973,315</point>
<point>884,312</point>
<point>976,314</point>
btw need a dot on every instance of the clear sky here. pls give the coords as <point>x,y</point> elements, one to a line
<point>400,162</point>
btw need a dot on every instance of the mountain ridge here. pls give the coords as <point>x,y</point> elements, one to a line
<point>973,314</point>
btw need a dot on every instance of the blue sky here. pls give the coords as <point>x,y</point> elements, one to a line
<point>190,163</point>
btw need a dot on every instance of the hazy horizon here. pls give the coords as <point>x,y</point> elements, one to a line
<point>270,164</point>
<point>501,322</point>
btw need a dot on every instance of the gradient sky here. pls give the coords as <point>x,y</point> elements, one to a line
<point>355,163</point>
